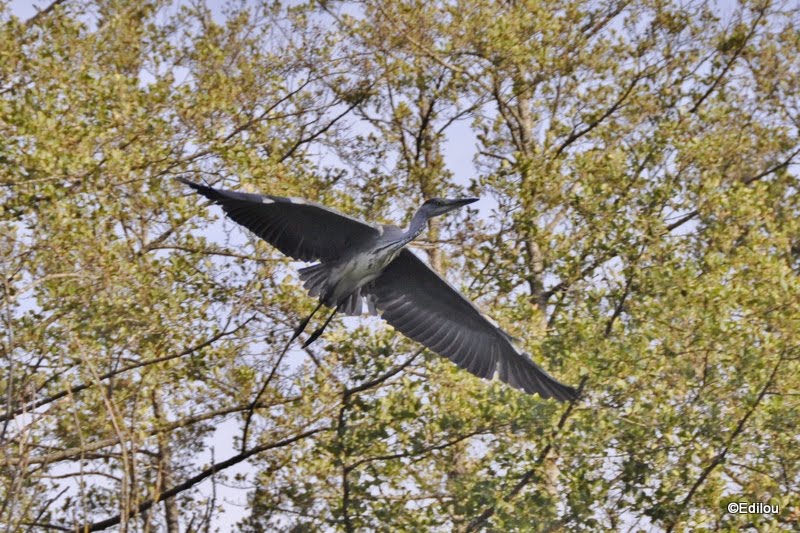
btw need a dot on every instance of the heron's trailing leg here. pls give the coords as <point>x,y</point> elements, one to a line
<point>314,336</point>
<point>304,323</point>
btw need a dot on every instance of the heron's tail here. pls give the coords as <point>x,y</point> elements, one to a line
<point>315,279</point>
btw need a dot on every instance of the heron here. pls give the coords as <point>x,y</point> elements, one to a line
<point>357,263</point>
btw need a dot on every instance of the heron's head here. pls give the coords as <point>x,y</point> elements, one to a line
<point>439,206</point>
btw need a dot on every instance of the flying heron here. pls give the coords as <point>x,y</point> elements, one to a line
<point>358,262</point>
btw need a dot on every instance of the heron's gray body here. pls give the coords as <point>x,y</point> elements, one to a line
<point>338,284</point>
<point>358,262</point>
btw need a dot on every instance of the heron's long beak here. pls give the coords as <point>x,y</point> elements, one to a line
<point>455,203</point>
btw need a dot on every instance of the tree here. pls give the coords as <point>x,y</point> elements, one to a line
<point>641,160</point>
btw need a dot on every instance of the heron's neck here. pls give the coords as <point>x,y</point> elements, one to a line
<point>418,223</point>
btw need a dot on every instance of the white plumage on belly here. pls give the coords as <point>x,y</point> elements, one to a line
<point>359,271</point>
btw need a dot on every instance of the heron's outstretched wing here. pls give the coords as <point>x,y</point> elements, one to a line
<point>423,306</point>
<point>300,229</point>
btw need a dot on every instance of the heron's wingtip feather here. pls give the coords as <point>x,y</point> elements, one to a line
<point>205,190</point>
<point>533,379</point>
<point>564,393</point>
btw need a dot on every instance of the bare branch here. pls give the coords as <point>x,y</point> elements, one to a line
<point>147,362</point>
<point>194,480</point>
<point>730,62</point>
<point>720,457</point>
<point>487,513</point>
<point>44,12</point>
<point>575,135</point>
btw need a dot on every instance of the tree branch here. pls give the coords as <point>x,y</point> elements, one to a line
<point>71,453</point>
<point>575,135</point>
<point>487,513</point>
<point>729,64</point>
<point>566,284</point>
<point>192,481</point>
<point>380,379</point>
<point>720,457</point>
<point>44,12</point>
<point>147,362</point>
